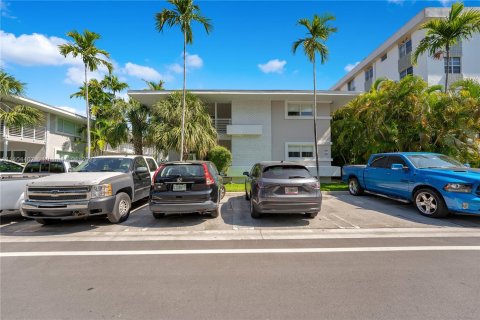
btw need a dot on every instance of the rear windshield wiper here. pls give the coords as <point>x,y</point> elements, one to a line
<point>296,177</point>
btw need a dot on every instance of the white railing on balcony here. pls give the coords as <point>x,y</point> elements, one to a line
<point>127,148</point>
<point>221,124</point>
<point>36,134</point>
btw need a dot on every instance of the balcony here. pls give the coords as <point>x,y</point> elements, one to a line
<point>24,134</point>
<point>221,124</point>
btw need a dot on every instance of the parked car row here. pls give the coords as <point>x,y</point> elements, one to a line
<point>435,183</point>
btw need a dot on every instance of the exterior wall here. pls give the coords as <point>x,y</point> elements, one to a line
<point>249,149</point>
<point>60,142</point>
<point>471,58</point>
<point>389,67</point>
<point>32,151</point>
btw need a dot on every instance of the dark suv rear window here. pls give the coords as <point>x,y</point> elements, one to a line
<point>182,170</point>
<point>286,172</point>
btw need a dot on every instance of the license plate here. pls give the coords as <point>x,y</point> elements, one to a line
<point>179,187</point>
<point>291,190</point>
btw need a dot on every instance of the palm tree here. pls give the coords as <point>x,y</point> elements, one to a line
<point>83,45</point>
<point>184,12</point>
<point>200,135</point>
<point>156,86</point>
<point>318,32</point>
<point>112,83</point>
<point>137,116</point>
<point>443,33</point>
<point>18,115</point>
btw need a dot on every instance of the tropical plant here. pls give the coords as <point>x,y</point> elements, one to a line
<point>9,85</point>
<point>137,116</point>
<point>318,32</point>
<point>443,33</point>
<point>156,86</point>
<point>183,14</point>
<point>113,84</point>
<point>407,116</point>
<point>221,157</point>
<point>469,87</point>
<point>83,46</point>
<point>166,128</point>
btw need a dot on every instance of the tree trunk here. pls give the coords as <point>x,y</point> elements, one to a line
<point>184,93</point>
<point>448,67</point>
<point>88,114</point>
<point>315,118</point>
<point>137,142</point>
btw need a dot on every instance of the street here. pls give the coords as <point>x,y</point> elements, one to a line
<point>361,258</point>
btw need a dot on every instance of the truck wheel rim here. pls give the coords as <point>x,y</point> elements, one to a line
<point>353,186</point>
<point>426,203</point>
<point>123,208</point>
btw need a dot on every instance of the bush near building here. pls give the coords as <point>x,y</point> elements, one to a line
<point>409,116</point>
<point>221,157</point>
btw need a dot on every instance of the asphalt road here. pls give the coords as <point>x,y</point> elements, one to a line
<point>389,278</point>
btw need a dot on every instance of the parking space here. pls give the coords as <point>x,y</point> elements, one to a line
<point>339,211</point>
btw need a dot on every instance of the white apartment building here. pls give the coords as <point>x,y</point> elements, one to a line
<point>262,125</point>
<point>393,58</point>
<point>58,137</point>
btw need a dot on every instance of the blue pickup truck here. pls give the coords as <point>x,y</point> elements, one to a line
<point>435,183</point>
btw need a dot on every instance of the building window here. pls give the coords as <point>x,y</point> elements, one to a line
<point>405,48</point>
<point>455,65</point>
<point>369,74</point>
<point>406,72</point>
<point>300,110</point>
<point>68,127</point>
<point>351,85</point>
<point>384,57</point>
<point>300,151</point>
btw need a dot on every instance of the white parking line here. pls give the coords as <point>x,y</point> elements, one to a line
<point>235,251</point>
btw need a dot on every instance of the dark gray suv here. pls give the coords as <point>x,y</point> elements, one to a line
<point>282,187</point>
<point>181,187</point>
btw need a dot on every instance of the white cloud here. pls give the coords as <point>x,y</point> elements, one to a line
<point>274,65</point>
<point>194,61</point>
<point>142,72</point>
<point>76,75</point>
<point>349,67</point>
<point>175,68</point>
<point>34,50</point>
<point>69,109</point>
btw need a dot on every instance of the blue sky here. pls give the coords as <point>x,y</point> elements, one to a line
<point>249,48</point>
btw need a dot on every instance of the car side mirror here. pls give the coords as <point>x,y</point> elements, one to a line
<point>141,170</point>
<point>467,165</point>
<point>246,174</point>
<point>397,166</point>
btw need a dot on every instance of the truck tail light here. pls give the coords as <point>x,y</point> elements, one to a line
<point>156,172</point>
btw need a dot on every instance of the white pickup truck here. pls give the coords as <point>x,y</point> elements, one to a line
<point>12,186</point>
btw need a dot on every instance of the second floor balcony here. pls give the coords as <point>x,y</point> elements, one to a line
<point>24,134</point>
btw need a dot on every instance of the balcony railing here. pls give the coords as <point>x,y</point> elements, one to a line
<point>127,148</point>
<point>24,133</point>
<point>221,124</point>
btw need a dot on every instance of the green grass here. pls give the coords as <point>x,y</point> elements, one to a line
<point>334,186</point>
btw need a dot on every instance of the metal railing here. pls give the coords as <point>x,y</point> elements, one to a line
<point>24,132</point>
<point>221,124</point>
<point>127,148</point>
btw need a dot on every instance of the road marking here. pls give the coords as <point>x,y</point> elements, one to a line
<point>235,251</point>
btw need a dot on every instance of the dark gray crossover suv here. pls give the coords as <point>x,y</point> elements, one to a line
<point>181,187</point>
<point>282,187</point>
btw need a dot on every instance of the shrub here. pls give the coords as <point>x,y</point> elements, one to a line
<point>221,157</point>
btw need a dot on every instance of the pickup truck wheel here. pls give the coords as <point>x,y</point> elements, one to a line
<point>253,212</point>
<point>246,194</point>
<point>121,210</point>
<point>47,221</point>
<point>430,203</point>
<point>354,187</point>
<point>223,191</point>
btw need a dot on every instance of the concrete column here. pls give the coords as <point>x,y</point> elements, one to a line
<point>5,142</point>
